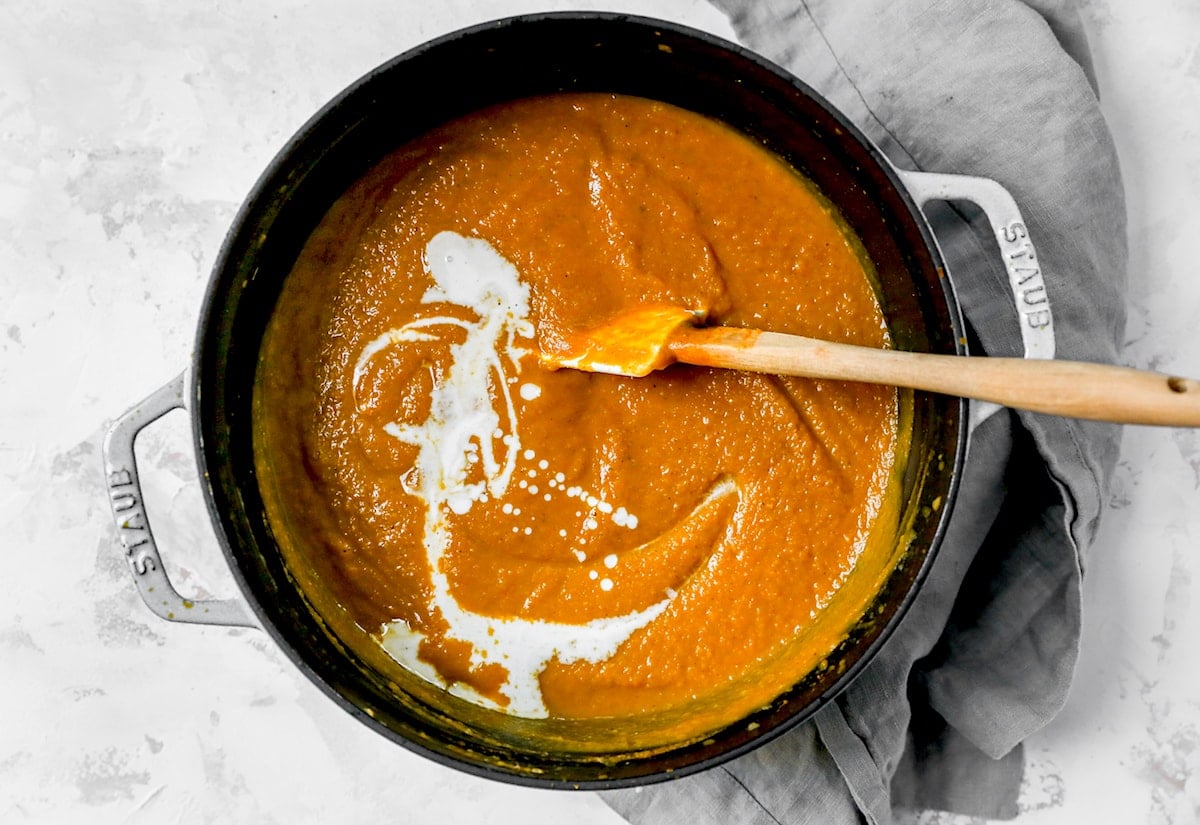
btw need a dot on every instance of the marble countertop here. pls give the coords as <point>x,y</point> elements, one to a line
<point>129,134</point>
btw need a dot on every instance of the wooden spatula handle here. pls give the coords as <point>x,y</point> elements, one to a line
<point>1069,388</point>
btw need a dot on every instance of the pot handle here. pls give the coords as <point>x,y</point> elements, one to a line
<point>1016,249</point>
<point>133,527</point>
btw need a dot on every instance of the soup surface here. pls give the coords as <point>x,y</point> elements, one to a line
<point>557,543</point>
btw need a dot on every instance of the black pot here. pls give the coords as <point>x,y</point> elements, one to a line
<point>404,98</point>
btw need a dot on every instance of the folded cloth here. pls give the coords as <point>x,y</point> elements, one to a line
<point>1003,90</point>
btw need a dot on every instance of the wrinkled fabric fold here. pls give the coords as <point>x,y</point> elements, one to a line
<point>984,657</point>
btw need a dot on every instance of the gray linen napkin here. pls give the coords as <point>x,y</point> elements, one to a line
<point>984,658</point>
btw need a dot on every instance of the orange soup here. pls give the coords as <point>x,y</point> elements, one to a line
<point>558,543</point>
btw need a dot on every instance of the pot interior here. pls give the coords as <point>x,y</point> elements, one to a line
<point>464,72</point>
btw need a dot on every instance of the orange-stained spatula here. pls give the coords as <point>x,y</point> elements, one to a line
<point>637,343</point>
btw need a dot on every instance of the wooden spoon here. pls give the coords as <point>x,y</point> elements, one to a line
<point>637,343</point>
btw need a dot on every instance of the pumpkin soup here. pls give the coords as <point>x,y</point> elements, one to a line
<point>558,543</point>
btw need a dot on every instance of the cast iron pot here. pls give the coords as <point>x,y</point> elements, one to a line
<point>449,77</point>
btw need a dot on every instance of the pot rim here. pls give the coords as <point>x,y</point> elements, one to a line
<point>208,447</point>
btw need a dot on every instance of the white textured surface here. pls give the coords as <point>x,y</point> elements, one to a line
<point>129,133</point>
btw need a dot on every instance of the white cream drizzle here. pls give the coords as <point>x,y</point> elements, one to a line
<point>458,465</point>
